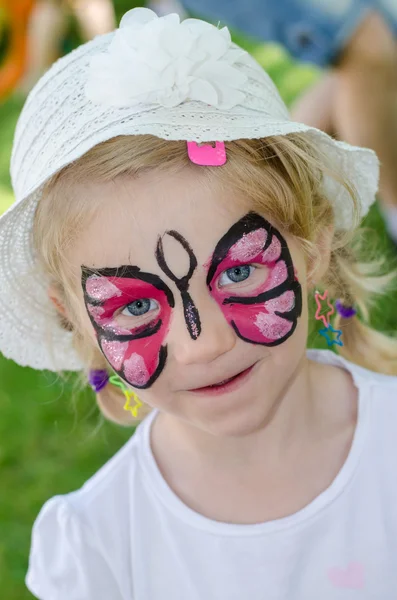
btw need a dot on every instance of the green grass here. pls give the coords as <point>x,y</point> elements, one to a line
<point>49,443</point>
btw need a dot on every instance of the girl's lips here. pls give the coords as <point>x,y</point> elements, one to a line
<point>226,386</point>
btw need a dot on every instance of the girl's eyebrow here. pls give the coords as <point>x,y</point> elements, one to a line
<point>124,271</point>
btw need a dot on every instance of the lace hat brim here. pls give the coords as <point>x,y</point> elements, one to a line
<point>60,123</point>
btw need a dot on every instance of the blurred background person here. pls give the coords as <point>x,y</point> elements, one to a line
<point>48,27</point>
<point>33,34</point>
<point>14,21</point>
<point>355,40</point>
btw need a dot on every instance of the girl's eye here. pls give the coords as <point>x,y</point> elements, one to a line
<point>140,307</point>
<point>236,275</point>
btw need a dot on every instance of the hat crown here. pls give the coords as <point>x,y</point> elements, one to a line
<point>116,84</point>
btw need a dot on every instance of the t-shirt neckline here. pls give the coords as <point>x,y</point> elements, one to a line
<point>159,487</point>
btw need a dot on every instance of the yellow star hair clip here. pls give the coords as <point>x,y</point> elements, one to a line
<point>132,402</point>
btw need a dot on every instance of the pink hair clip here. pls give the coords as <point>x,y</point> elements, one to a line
<point>207,155</point>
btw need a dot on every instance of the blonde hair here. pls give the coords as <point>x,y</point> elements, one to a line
<point>281,176</point>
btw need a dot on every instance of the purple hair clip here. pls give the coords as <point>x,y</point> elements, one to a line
<point>98,379</point>
<point>346,312</point>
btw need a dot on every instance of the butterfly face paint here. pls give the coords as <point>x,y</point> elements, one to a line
<point>266,311</point>
<point>130,312</point>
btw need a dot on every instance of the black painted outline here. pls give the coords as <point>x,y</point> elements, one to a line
<point>182,283</point>
<point>251,222</point>
<point>128,272</point>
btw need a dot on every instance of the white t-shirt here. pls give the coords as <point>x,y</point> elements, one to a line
<point>126,536</point>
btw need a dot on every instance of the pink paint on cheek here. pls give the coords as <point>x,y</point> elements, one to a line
<point>255,324</point>
<point>140,357</point>
<point>101,289</point>
<point>135,370</point>
<point>114,352</point>
<point>246,308</point>
<point>272,253</point>
<point>249,246</point>
<point>283,303</point>
<point>272,327</point>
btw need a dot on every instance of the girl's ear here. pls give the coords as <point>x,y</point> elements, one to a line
<point>319,264</point>
<point>56,298</point>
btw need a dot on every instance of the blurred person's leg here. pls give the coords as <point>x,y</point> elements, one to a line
<point>94,16</point>
<point>46,29</point>
<point>357,100</point>
<point>365,110</point>
<point>316,106</point>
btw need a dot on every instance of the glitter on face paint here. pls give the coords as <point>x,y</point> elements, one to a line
<point>115,352</point>
<point>191,318</point>
<point>100,288</point>
<point>283,303</point>
<point>95,311</point>
<point>249,246</point>
<point>273,251</point>
<point>251,311</point>
<point>277,276</point>
<point>271,326</point>
<point>135,370</point>
<point>119,336</point>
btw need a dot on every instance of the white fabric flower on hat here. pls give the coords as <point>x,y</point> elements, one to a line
<point>161,61</point>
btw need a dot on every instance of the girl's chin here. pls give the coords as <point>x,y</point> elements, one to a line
<point>236,413</point>
<point>239,421</point>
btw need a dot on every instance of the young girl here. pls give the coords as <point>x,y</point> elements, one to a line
<point>170,224</point>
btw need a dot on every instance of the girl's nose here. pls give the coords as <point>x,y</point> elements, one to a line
<point>216,337</point>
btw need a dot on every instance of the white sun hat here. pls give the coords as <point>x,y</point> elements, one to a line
<point>174,80</point>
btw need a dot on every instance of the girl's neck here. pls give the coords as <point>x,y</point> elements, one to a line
<point>274,470</point>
